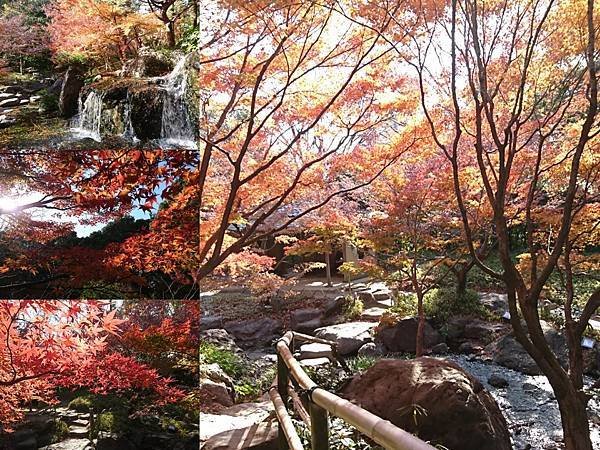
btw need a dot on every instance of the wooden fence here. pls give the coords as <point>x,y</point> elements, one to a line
<point>313,405</point>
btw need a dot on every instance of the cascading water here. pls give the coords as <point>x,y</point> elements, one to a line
<point>88,122</point>
<point>101,114</point>
<point>176,124</point>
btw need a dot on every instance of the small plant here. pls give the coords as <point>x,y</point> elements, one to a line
<point>81,404</point>
<point>353,307</point>
<point>441,304</point>
<point>232,364</point>
<point>415,411</point>
<point>48,101</point>
<point>405,304</point>
<point>59,430</point>
<point>361,363</point>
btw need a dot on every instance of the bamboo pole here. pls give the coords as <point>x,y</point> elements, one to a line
<point>282,382</point>
<point>319,427</point>
<point>299,406</point>
<point>286,427</point>
<point>380,430</point>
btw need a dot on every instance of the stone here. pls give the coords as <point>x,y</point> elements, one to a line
<point>220,338</point>
<point>498,381</point>
<point>349,337</point>
<point>440,349</point>
<point>484,332</point>
<point>469,348</point>
<point>211,322</point>
<point>382,295</point>
<point>402,337</point>
<point>109,441</point>
<point>374,313</point>
<point>461,414</point>
<point>507,352</point>
<point>315,350</point>
<point>215,373</point>
<point>254,332</point>
<point>68,100</point>
<point>371,349</point>
<point>334,307</point>
<point>72,444</point>
<point>315,362</point>
<point>27,444</point>
<point>306,320</point>
<point>214,393</point>
<point>10,102</point>
<point>238,416</point>
<point>366,297</point>
<point>496,303</point>
<point>148,63</point>
<point>77,431</point>
<point>262,436</point>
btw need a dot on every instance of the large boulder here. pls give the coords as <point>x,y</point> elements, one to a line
<point>507,352</point>
<point>402,337</point>
<point>262,436</point>
<point>306,320</point>
<point>434,398</point>
<point>68,100</point>
<point>254,332</point>
<point>214,394</point>
<point>220,338</point>
<point>349,337</point>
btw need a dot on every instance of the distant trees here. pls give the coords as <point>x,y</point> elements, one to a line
<point>19,38</point>
<point>170,11</point>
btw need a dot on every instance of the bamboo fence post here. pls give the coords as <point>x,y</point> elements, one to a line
<point>282,383</point>
<point>319,427</point>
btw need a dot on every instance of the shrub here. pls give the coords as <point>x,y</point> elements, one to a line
<point>59,430</point>
<point>405,304</point>
<point>232,364</point>
<point>81,404</point>
<point>441,304</point>
<point>48,101</point>
<point>353,307</point>
<point>110,421</point>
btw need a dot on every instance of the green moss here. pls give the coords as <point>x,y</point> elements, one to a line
<point>232,364</point>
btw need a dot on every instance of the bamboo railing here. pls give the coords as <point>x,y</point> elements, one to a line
<point>317,403</point>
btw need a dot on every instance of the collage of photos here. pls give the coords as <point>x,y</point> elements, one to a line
<point>299,225</point>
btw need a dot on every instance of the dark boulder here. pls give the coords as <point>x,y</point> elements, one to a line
<point>460,413</point>
<point>402,337</point>
<point>69,94</point>
<point>254,332</point>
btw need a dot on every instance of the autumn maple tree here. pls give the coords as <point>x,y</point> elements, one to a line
<point>50,344</point>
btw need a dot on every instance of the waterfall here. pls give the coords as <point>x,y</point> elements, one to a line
<point>87,122</point>
<point>176,125</point>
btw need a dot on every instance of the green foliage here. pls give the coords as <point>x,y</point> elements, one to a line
<point>361,363</point>
<point>82,403</point>
<point>441,304</point>
<point>341,436</point>
<point>405,304</point>
<point>110,421</point>
<point>232,364</point>
<point>353,307</point>
<point>250,388</point>
<point>59,430</point>
<point>49,101</point>
<point>190,36</point>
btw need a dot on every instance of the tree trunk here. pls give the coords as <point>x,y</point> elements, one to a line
<point>574,421</point>
<point>171,34</point>
<point>461,283</point>
<point>328,268</point>
<point>420,326</point>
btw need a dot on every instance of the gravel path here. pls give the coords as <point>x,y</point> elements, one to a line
<point>528,405</point>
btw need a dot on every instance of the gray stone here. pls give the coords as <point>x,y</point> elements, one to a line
<point>254,332</point>
<point>211,322</point>
<point>440,349</point>
<point>220,338</point>
<point>10,102</point>
<point>349,337</point>
<point>214,393</point>
<point>497,381</point>
<point>315,362</point>
<point>374,313</point>
<point>315,350</point>
<point>261,436</point>
<point>371,349</point>
<point>306,320</point>
<point>402,337</point>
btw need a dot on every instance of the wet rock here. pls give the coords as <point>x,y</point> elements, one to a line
<point>497,381</point>
<point>349,337</point>
<point>69,94</point>
<point>461,414</point>
<point>254,332</point>
<point>402,337</point>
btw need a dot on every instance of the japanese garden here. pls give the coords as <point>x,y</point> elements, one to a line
<point>276,224</point>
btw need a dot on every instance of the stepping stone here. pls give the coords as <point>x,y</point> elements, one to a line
<point>81,422</point>
<point>70,444</point>
<point>315,362</point>
<point>78,431</point>
<point>385,303</point>
<point>315,350</point>
<point>382,295</point>
<point>373,313</point>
